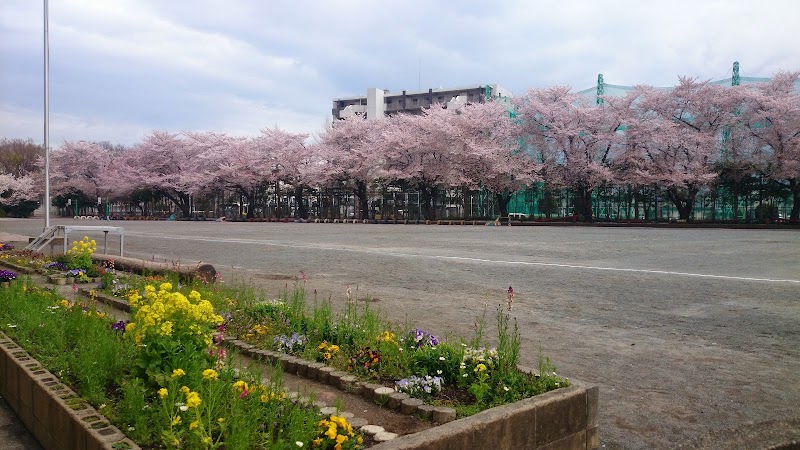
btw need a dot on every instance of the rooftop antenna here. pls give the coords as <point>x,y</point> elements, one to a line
<point>600,89</point>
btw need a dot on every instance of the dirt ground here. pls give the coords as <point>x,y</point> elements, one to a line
<point>692,335</point>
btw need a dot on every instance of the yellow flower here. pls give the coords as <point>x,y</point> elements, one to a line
<point>331,433</point>
<point>240,386</point>
<point>185,390</point>
<point>194,425</point>
<point>210,374</point>
<point>340,421</point>
<point>163,392</point>
<point>221,420</point>
<point>340,439</point>
<point>166,329</point>
<point>207,440</point>
<point>386,336</point>
<point>193,400</point>
<point>480,368</point>
<point>178,373</point>
<point>316,442</point>
<point>176,420</point>
<point>165,287</point>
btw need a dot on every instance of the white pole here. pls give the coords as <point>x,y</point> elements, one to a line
<point>46,121</point>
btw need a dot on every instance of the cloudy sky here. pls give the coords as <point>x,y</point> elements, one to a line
<point>122,68</point>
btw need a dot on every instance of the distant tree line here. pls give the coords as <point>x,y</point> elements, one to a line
<point>675,144</point>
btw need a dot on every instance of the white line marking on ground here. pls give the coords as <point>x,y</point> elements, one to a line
<point>457,258</point>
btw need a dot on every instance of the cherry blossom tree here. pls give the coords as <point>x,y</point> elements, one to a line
<point>82,167</point>
<point>487,153</point>
<point>21,180</point>
<point>673,138</point>
<point>164,162</point>
<point>347,156</point>
<point>771,114</point>
<point>418,150</point>
<point>572,139</point>
<point>292,162</point>
<point>227,162</point>
<point>19,195</point>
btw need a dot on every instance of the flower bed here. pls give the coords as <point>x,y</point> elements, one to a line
<point>447,376</point>
<point>177,393</point>
<point>467,376</point>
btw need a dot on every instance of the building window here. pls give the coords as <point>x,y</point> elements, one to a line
<point>441,97</point>
<point>414,101</point>
<point>388,101</point>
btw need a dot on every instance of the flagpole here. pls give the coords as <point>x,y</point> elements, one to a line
<point>46,120</point>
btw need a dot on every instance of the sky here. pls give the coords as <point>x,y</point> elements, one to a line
<point>120,69</point>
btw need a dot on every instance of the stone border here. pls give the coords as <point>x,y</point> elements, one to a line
<point>564,418</point>
<point>55,415</point>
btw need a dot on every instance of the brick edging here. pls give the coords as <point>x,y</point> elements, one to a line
<point>57,416</point>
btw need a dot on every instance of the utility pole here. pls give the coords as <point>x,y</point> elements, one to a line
<point>735,77</point>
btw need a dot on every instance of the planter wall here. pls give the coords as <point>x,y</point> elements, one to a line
<point>142,267</point>
<point>57,416</point>
<point>562,419</point>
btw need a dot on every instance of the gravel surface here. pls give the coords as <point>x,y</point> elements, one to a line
<point>691,334</point>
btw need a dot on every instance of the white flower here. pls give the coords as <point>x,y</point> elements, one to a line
<point>298,443</point>
<point>438,372</point>
<point>505,388</point>
<point>441,358</point>
<point>184,408</point>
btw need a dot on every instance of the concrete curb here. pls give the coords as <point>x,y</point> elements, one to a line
<point>56,415</point>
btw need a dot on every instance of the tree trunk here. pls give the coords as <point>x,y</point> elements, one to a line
<point>326,203</point>
<point>428,194</point>
<point>794,183</point>
<point>583,204</point>
<point>278,208</point>
<point>302,208</point>
<point>363,205</point>
<point>547,199</point>
<point>503,199</point>
<point>683,199</point>
<point>181,201</point>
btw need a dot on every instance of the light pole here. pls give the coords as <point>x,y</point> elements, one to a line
<point>46,122</point>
